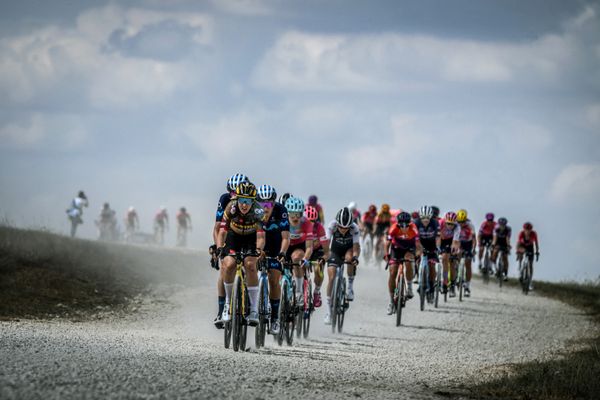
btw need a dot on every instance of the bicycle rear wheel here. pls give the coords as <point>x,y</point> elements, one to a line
<point>236,314</point>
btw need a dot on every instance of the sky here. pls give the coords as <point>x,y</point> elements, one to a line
<point>484,105</point>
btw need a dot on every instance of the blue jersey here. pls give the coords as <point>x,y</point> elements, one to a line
<point>223,201</point>
<point>277,223</point>
<point>428,234</point>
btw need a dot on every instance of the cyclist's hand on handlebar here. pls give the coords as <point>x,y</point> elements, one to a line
<point>281,257</point>
<point>304,263</point>
<point>386,257</point>
<point>354,261</point>
<point>212,249</point>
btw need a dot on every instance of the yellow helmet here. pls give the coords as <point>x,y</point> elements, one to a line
<point>461,216</point>
<point>385,208</point>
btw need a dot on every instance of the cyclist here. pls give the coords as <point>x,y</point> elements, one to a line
<point>320,251</point>
<point>400,246</point>
<point>468,243</point>
<point>75,210</point>
<point>355,214</point>
<point>132,222</point>
<point>184,223</point>
<point>283,198</point>
<point>486,234</point>
<point>241,230</point>
<point>436,214</point>
<point>501,241</point>
<point>277,240</point>
<point>383,221</point>
<point>450,244</point>
<point>429,239</point>
<point>301,242</point>
<point>344,237</point>
<point>368,221</point>
<point>314,202</point>
<point>232,184</point>
<point>525,243</point>
<point>107,223</point>
<point>414,216</point>
<point>161,223</point>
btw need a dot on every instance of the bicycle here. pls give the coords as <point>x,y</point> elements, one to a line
<point>236,328</point>
<point>453,259</point>
<point>426,289</point>
<point>400,296</point>
<point>287,306</point>
<point>368,247</point>
<point>379,250</point>
<point>307,307</point>
<point>339,303</point>
<point>461,276</point>
<point>487,264</point>
<point>264,303</point>
<point>526,271</point>
<point>501,265</point>
<point>438,282</point>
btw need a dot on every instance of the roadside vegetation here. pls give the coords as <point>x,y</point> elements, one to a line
<point>573,375</point>
<point>45,275</point>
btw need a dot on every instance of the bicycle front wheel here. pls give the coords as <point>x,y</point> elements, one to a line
<point>282,311</point>
<point>401,299</point>
<point>263,310</point>
<point>438,284</point>
<point>422,285</point>
<point>461,279</point>
<point>333,310</point>
<point>308,309</point>
<point>342,305</point>
<point>236,313</point>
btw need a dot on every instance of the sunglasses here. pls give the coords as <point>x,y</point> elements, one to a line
<point>403,225</point>
<point>266,204</point>
<point>295,215</point>
<point>245,201</point>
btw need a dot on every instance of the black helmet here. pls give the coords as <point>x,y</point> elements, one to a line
<point>182,209</point>
<point>502,221</point>
<point>436,211</point>
<point>246,189</point>
<point>81,195</point>
<point>403,218</point>
<point>344,218</point>
<point>284,197</point>
<point>106,205</point>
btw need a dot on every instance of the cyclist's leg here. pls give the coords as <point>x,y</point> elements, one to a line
<point>274,287</point>
<point>297,256</point>
<point>351,272</point>
<point>252,281</point>
<point>481,247</point>
<point>393,267</point>
<point>409,267</point>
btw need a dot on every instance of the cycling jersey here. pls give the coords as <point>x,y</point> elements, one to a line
<point>355,216</point>
<point>467,231</point>
<point>131,217</point>
<point>107,215</point>
<point>528,241</point>
<point>403,238</point>
<point>487,228</point>
<point>369,217</point>
<point>448,231</point>
<point>320,236</point>
<point>341,243</point>
<point>428,234</point>
<point>242,224</point>
<point>502,235</point>
<point>301,233</point>
<point>223,201</point>
<point>277,223</point>
<point>383,218</point>
<point>182,219</point>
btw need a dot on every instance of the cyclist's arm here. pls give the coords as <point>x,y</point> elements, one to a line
<point>216,231</point>
<point>285,241</point>
<point>325,246</point>
<point>260,240</point>
<point>309,249</point>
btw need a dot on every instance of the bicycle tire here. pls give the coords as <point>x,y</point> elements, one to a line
<point>291,320</point>
<point>282,312</point>
<point>438,284</point>
<point>342,306</point>
<point>236,315</point>
<point>310,308</point>
<point>333,306</point>
<point>500,272</point>
<point>486,266</point>
<point>461,282</point>
<point>422,280</point>
<point>525,280</point>
<point>400,300</point>
<point>227,334</point>
<point>263,298</point>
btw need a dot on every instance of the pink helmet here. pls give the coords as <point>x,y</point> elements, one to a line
<point>311,213</point>
<point>450,217</point>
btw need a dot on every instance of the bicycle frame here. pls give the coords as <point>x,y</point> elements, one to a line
<point>237,326</point>
<point>338,298</point>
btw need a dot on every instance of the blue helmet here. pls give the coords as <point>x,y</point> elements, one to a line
<point>294,205</point>
<point>235,180</point>
<point>266,193</point>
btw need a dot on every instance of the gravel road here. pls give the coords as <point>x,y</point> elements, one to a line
<point>169,349</point>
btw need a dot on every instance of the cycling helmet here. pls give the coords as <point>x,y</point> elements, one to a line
<point>426,212</point>
<point>163,208</point>
<point>461,216</point>
<point>131,209</point>
<point>81,195</point>
<point>527,226</point>
<point>352,206</point>
<point>489,216</point>
<point>403,218</point>
<point>436,211</point>
<point>266,193</point>
<point>344,217</point>
<point>106,205</point>
<point>451,217</point>
<point>373,208</point>
<point>182,209</point>
<point>295,205</point>
<point>385,208</point>
<point>283,198</point>
<point>235,180</point>
<point>311,213</point>
<point>246,189</point>
<point>312,200</point>
<point>414,215</point>
<point>502,221</point>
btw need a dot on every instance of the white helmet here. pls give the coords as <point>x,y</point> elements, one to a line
<point>344,218</point>
<point>352,206</point>
<point>131,209</point>
<point>426,212</point>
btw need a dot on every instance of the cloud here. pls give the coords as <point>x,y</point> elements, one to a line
<point>577,183</point>
<point>392,61</point>
<point>44,131</point>
<point>244,7</point>
<point>113,58</point>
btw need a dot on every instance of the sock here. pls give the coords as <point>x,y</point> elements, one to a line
<point>350,282</point>
<point>299,283</point>
<point>228,290</point>
<point>391,297</point>
<point>317,289</point>
<point>253,294</point>
<point>328,301</point>
<point>221,304</point>
<point>274,309</point>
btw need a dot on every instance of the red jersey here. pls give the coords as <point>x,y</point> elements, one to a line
<point>319,235</point>
<point>403,238</point>
<point>369,217</point>
<point>302,232</point>
<point>524,241</point>
<point>487,228</point>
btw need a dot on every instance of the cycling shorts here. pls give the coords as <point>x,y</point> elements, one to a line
<point>398,253</point>
<point>381,229</point>
<point>446,246</point>
<point>486,240</point>
<point>432,256</point>
<point>235,243</point>
<point>337,258</point>
<point>316,254</point>
<point>502,245</point>
<point>293,247</point>
<point>467,248</point>
<point>368,227</point>
<point>521,248</point>
<point>274,264</point>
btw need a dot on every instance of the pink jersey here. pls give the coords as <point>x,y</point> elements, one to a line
<point>487,228</point>
<point>302,232</point>
<point>319,235</point>
<point>467,231</point>
<point>449,231</point>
